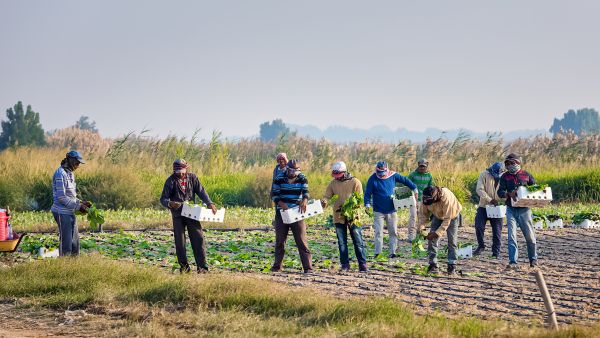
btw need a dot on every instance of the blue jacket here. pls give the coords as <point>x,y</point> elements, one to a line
<point>290,193</point>
<point>382,189</point>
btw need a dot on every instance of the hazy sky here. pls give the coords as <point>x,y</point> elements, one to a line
<point>173,66</point>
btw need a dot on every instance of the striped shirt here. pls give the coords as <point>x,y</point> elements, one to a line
<point>289,193</point>
<point>422,180</point>
<point>64,193</point>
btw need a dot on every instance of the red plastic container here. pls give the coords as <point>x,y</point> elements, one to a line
<point>3,225</point>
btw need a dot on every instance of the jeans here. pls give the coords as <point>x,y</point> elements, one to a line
<point>194,229</point>
<point>68,234</point>
<point>496,223</point>
<point>520,217</point>
<point>391,220</point>
<point>452,232</point>
<point>341,230</point>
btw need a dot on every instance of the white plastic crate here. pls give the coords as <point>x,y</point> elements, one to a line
<point>200,213</point>
<point>45,253</point>
<point>405,202</point>
<point>525,198</point>
<point>558,224</point>
<point>539,225</point>
<point>466,252</point>
<point>495,211</point>
<point>292,215</point>
<point>589,224</point>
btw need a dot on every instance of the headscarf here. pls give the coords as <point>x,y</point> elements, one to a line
<point>180,166</point>
<point>513,168</point>
<point>382,172</point>
<point>431,194</point>
<point>281,156</point>
<point>496,170</point>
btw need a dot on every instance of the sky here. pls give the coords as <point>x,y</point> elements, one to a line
<point>175,66</point>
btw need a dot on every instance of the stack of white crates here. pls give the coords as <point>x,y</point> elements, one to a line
<point>292,215</point>
<point>525,198</point>
<point>202,214</point>
<point>495,211</point>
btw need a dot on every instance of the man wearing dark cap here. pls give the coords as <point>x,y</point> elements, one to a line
<point>290,190</point>
<point>444,207</point>
<point>517,216</point>
<point>422,178</point>
<point>183,186</point>
<point>65,203</point>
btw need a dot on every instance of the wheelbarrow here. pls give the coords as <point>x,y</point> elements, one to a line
<point>11,245</point>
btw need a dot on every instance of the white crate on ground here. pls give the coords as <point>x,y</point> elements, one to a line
<point>525,198</point>
<point>405,202</point>
<point>588,224</point>
<point>200,213</point>
<point>465,252</point>
<point>47,253</point>
<point>495,211</point>
<point>539,225</point>
<point>292,215</point>
<point>558,224</point>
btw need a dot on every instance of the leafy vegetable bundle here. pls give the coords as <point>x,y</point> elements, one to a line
<point>95,216</point>
<point>582,216</point>
<point>418,250</point>
<point>401,193</point>
<point>540,217</point>
<point>351,208</point>
<point>536,187</point>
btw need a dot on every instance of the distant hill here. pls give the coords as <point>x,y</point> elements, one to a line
<point>344,134</point>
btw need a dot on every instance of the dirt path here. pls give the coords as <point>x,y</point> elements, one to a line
<point>18,321</point>
<point>569,259</point>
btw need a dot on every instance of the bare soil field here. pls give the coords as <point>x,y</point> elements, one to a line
<point>569,260</point>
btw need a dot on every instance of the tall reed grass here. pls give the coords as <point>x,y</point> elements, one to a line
<point>129,172</point>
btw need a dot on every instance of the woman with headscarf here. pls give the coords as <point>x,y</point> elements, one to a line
<point>487,189</point>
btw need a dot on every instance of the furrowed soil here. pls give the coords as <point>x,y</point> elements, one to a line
<point>569,259</point>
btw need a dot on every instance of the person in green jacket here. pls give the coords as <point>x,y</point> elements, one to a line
<point>423,179</point>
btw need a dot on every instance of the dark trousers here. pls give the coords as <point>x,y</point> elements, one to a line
<point>194,229</point>
<point>299,232</point>
<point>341,231</point>
<point>496,223</point>
<point>68,234</point>
<point>452,232</point>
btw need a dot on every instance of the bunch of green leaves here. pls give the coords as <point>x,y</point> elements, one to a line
<point>582,216</point>
<point>538,217</point>
<point>351,208</point>
<point>32,244</point>
<point>95,216</point>
<point>554,217</point>
<point>402,192</point>
<point>418,248</point>
<point>536,187</point>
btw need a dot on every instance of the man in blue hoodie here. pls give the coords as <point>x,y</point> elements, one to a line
<point>380,188</point>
